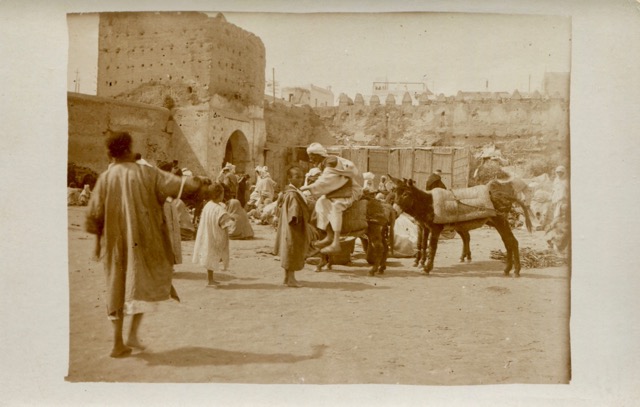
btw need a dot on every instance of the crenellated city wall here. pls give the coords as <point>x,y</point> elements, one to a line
<point>448,121</point>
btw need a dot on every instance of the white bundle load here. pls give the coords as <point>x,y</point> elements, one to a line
<point>462,204</point>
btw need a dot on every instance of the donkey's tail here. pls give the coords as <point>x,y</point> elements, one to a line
<point>526,210</point>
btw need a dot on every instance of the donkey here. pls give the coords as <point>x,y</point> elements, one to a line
<point>377,219</point>
<point>423,240</point>
<point>419,204</point>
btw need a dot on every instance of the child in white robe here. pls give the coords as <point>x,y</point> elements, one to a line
<point>211,248</point>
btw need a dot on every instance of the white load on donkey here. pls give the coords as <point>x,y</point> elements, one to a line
<point>459,205</point>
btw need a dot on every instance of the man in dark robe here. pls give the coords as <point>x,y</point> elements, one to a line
<point>293,235</point>
<point>435,181</point>
<point>229,180</point>
<point>242,189</point>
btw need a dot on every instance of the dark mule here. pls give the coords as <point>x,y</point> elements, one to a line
<point>376,237</point>
<point>419,204</point>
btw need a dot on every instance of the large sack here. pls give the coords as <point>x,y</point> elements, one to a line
<point>462,204</point>
<point>405,237</point>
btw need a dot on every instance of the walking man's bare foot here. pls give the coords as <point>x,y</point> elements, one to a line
<point>135,343</point>
<point>120,351</point>
<point>290,279</point>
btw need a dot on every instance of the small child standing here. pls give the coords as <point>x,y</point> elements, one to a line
<point>212,239</point>
<point>293,235</point>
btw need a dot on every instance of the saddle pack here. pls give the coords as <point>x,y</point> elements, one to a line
<point>463,204</point>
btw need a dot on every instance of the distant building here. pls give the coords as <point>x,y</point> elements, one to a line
<point>297,95</point>
<point>311,95</point>
<point>383,89</point>
<point>556,84</point>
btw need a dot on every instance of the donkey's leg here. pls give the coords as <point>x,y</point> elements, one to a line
<point>374,254</point>
<point>515,251</point>
<point>466,249</point>
<point>433,246</point>
<point>324,260</point>
<point>424,248</point>
<point>510,243</point>
<point>385,249</point>
<point>425,245</point>
<point>421,243</point>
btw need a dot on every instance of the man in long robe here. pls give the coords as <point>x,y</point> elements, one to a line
<point>125,212</point>
<point>337,189</point>
<point>293,233</point>
<point>265,187</point>
<point>559,229</point>
<point>229,179</point>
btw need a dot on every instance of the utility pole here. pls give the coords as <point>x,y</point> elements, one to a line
<point>273,77</point>
<point>76,87</point>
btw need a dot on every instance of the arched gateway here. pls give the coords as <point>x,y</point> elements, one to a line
<point>237,152</point>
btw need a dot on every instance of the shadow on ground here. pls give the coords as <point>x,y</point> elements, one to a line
<point>484,269</point>
<point>325,285</point>
<point>192,275</point>
<point>200,356</point>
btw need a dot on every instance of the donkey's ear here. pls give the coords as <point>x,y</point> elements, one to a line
<point>393,179</point>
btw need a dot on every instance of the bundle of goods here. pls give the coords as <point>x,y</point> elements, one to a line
<point>459,205</point>
<point>533,259</point>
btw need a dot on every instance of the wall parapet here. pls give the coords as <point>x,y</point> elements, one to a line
<point>424,99</point>
<point>72,96</point>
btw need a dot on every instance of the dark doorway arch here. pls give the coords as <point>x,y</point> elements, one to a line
<point>237,152</point>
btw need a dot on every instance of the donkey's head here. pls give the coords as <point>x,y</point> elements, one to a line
<point>403,193</point>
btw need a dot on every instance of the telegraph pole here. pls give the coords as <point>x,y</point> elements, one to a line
<point>76,87</point>
<point>273,84</point>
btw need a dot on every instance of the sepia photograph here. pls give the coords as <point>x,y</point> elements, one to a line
<point>329,176</point>
<point>287,203</point>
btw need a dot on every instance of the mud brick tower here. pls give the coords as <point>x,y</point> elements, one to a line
<point>208,72</point>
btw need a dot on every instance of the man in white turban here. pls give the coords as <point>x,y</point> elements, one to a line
<point>368,182</point>
<point>337,189</point>
<point>559,229</point>
<point>265,187</point>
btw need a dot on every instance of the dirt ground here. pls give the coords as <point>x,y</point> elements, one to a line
<point>463,324</point>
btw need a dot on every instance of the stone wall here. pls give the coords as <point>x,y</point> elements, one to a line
<point>208,72</point>
<point>91,117</point>
<point>190,137</point>
<point>446,122</point>
<point>139,48</point>
<point>190,55</point>
<point>289,130</point>
<point>196,136</point>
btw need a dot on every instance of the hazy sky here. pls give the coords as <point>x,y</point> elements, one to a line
<point>348,52</point>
